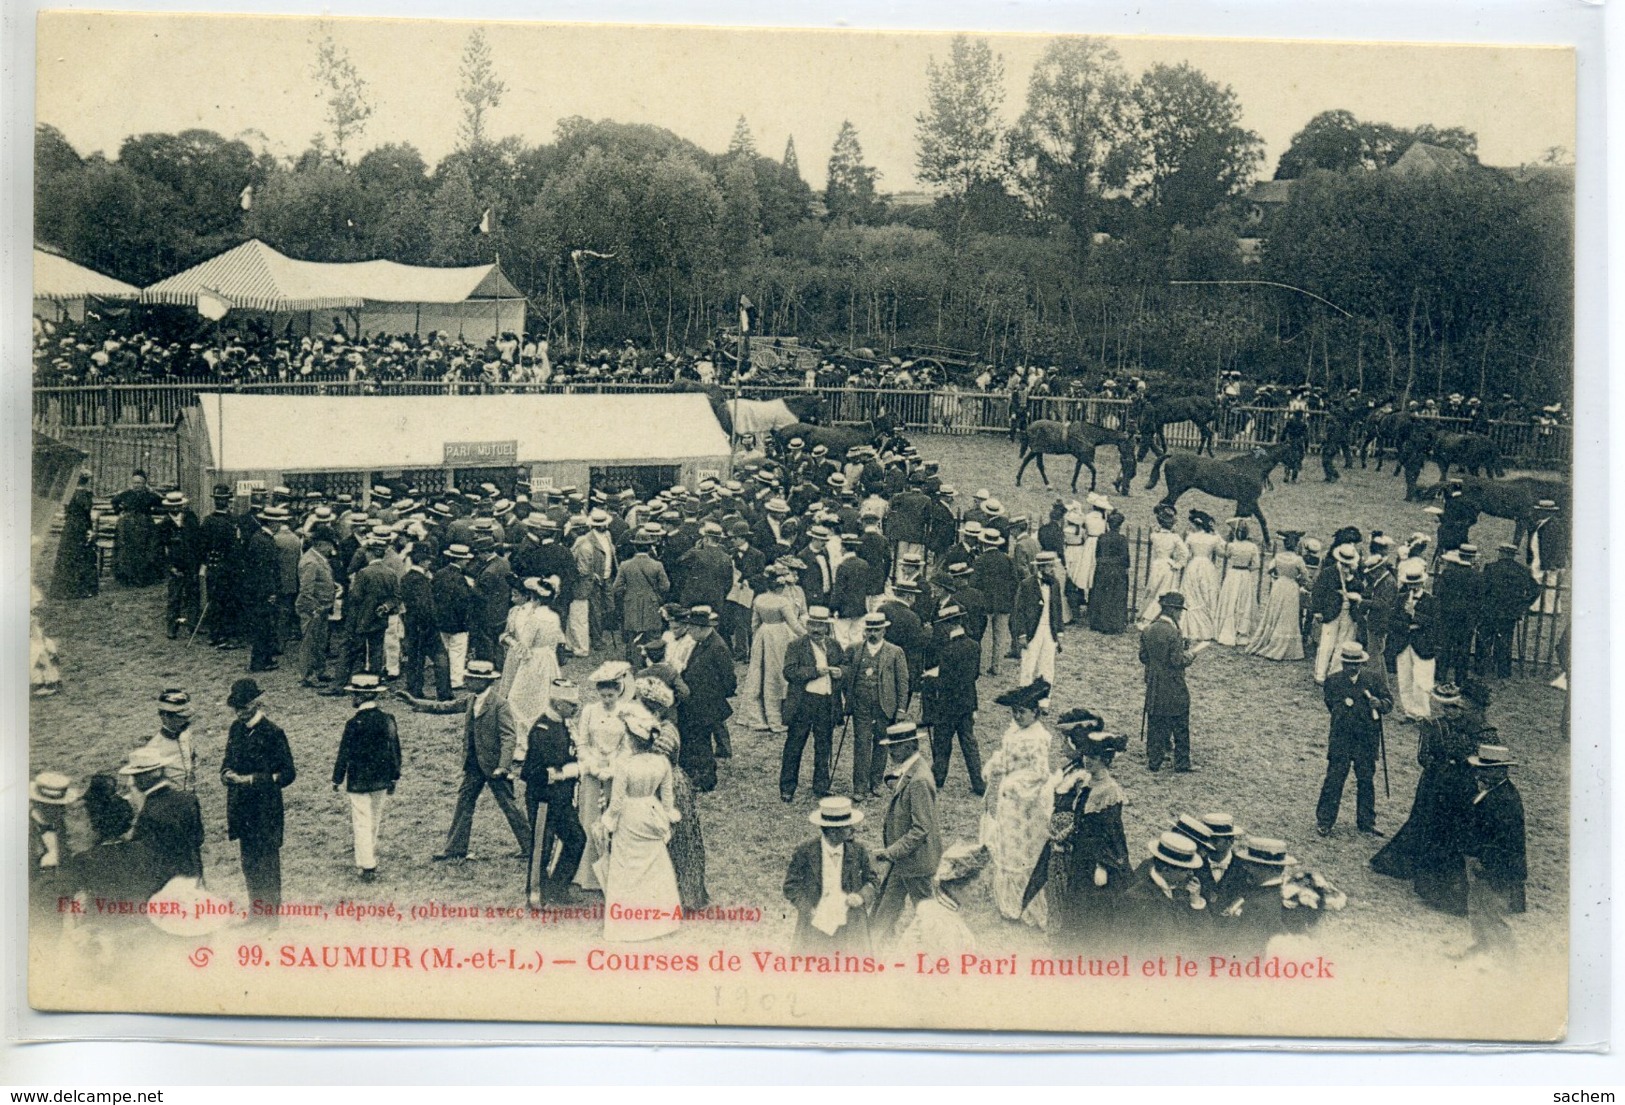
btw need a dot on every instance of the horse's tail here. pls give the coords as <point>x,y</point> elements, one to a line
<point>1156,470</point>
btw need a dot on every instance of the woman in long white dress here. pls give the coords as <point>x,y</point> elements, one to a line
<point>1279,632</point>
<point>774,623</point>
<point>531,641</point>
<point>1238,594</point>
<point>1168,558</point>
<point>640,884</point>
<point>600,733</point>
<point>1016,815</point>
<point>1200,582</point>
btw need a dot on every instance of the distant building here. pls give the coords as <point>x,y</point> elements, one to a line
<point>1425,160</point>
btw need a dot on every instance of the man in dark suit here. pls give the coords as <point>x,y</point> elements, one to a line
<point>1167,700</point>
<point>260,585</point>
<point>817,578</point>
<point>493,587</point>
<point>1357,702</point>
<point>255,768</point>
<point>849,595</point>
<point>222,559</point>
<point>546,762</point>
<point>707,571</point>
<point>905,521</point>
<point>314,606</point>
<point>1459,592</point>
<point>373,595</point>
<point>420,642</point>
<point>454,603</point>
<point>908,630</point>
<point>1038,618</point>
<point>368,766</point>
<point>702,719</point>
<point>877,695</point>
<point>995,577</point>
<point>969,598</point>
<point>1158,908</point>
<point>815,670</point>
<point>489,737</point>
<point>832,916</point>
<point>170,821</point>
<point>913,834</point>
<point>181,539</point>
<point>1509,589</point>
<point>949,710</point>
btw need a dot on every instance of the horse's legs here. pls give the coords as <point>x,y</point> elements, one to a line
<point>1156,467</point>
<point>1077,468</point>
<point>1262,524</point>
<point>1042,474</point>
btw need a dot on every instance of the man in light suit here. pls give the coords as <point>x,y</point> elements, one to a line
<point>489,736</point>
<point>913,835</point>
<point>877,695</point>
<point>831,882</point>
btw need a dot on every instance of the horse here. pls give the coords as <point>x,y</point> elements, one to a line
<point>1239,479</point>
<point>757,416</point>
<point>1077,439</point>
<point>1370,432</point>
<point>837,439</point>
<point>1388,432</point>
<point>1471,452</point>
<point>1513,499</point>
<point>1151,415</point>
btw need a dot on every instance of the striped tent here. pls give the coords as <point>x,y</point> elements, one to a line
<point>473,302</point>
<point>61,287</point>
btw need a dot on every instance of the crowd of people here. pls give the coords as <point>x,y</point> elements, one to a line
<point>104,350</point>
<point>823,599</point>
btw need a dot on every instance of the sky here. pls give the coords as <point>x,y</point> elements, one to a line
<point>236,74</point>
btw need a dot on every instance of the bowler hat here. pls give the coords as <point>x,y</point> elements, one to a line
<point>1173,600</point>
<point>244,692</point>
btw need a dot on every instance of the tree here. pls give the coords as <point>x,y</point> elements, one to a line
<point>850,188</point>
<point>345,94</point>
<point>959,131</point>
<point>1197,154</point>
<point>315,213</point>
<point>207,174</point>
<point>481,91</point>
<point>791,163</point>
<point>742,144</point>
<point>741,211</point>
<point>57,165</point>
<point>1075,141</point>
<point>1336,141</point>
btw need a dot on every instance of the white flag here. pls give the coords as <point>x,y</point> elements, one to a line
<point>485,222</point>
<point>246,200</point>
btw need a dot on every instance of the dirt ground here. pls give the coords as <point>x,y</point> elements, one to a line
<point>1258,738</point>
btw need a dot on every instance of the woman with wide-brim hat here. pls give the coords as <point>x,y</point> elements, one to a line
<point>687,844</point>
<point>639,881</point>
<point>1018,803</point>
<point>1200,581</point>
<point>531,638</point>
<point>1091,857</point>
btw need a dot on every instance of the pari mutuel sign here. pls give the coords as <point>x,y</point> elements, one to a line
<point>481,454</point>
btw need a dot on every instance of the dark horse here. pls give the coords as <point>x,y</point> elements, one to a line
<point>1075,439</point>
<point>1470,452</point>
<point>837,439</point>
<point>1152,415</point>
<point>1239,479</point>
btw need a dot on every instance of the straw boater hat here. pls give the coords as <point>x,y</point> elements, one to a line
<point>1347,555</point>
<point>364,683</point>
<point>1175,850</point>
<point>483,670</point>
<point>1352,652</point>
<point>904,732</point>
<point>819,614</point>
<point>457,552</point>
<point>1446,694</point>
<point>1193,828</point>
<point>991,537</point>
<point>876,620</point>
<point>1221,824</point>
<point>834,813</point>
<point>1493,755</point>
<point>174,500</point>
<point>52,788</point>
<point>1265,851</point>
<point>1412,570</point>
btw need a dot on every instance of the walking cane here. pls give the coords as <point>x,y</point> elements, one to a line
<point>203,612</point>
<point>835,760</point>
<point>540,845</point>
<point>1382,749</point>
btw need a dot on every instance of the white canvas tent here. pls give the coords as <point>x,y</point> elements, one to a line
<point>61,288</point>
<point>438,441</point>
<point>471,303</point>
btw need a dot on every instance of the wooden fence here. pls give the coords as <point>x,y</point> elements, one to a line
<point>948,411</point>
<point>1537,644</point>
